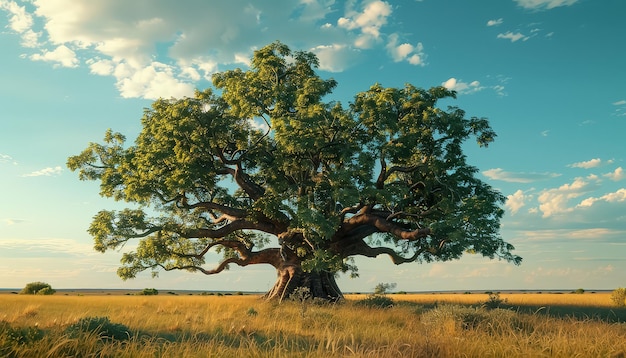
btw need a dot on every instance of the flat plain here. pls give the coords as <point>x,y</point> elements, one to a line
<point>414,325</point>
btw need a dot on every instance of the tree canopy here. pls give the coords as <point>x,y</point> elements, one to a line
<point>263,169</point>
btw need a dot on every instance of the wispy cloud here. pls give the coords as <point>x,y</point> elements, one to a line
<point>47,246</point>
<point>616,197</point>
<point>4,158</point>
<point>495,22</point>
<point>11,221</point>
<point>592,163</point>
<point>45,172</point>
<point>544,4</point>
<point>517,177</point>
<point>513,36</point>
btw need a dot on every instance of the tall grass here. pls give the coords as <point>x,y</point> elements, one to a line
<point>244,326</point>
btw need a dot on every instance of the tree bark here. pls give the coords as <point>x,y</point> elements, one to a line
<point>292,279</point>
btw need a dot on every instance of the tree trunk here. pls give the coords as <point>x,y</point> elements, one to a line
<point>292,279</point>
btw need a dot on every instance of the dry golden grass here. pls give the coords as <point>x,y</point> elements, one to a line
<point>245,326</point>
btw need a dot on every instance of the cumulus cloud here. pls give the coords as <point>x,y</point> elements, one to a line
<point>19,20</point>
<point>516,201</point>
<point>544,4</point>
<point>520,177</point>
<point>556,200</point>
<point>495,22</point>
<point>369,21</point>
<point>45,172</point>
<point>587,164</point>
<point>514,37</point>
<point>462,87</point>
<point>60,56</point>
<point>413,54</point>
<point>616,175</point>
<point>161,49</point>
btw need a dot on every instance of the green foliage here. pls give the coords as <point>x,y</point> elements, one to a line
<point>263,156</point>
<point>100,326</point>
<point>618,297</point>
<point>38,288</point>
<point>494,301</point>
<point>252,312</point>
<point>579,291</point>
<point>10,335</point>
<point>149,292</point>
<point>384,288</point>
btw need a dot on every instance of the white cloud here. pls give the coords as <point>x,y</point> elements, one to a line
<point>62,56</point>
<point>616,175</point>
<point>620,103</point>
<point>336,57</point>
<point>14,221</point>
<point>152,82</point>
<point>615,197</point>
<point>405,51</point>
<point>495,22</point>
<point>556,201</point>
<point>19,20</point>
<point>544,4</point>
<point>4,158</point>
<point>191,42</point>
<point>462,87</point>
<point>369,21</point>
<point>520,177</point>
<point>516,201</point>
<point>513,36</point>
<point>45,172</point>
<point>587,164</point>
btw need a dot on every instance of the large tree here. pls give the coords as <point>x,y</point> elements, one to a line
<point>264,171</point>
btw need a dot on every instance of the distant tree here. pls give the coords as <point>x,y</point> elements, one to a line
<point>265,172</point>
<point>384,288</point>
<point>38,288</point>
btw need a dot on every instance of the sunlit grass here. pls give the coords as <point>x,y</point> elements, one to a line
<point>424,325</point>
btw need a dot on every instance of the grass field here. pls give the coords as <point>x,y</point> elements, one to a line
<point>417,325</point>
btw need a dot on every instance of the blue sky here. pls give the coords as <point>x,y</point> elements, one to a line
<point>550,75</point>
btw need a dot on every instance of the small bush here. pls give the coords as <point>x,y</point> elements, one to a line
<point>579,291</point>
<point>376,301</point>
<point>149,292</point>
<point>252,312</point>
<point>494,301</point>
<point>19,335</point>
<point>100,326</point>
<point>37,288</point>
<point>618,296</point>
<point>46,291</point>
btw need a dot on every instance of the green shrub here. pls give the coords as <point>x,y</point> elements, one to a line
<point>19,335</point>
<point>46,291</point>
<point>494,301</point>
<point>376,301</point>
<point>100,326</point>
<point>149,292</point>
<point>618,296</point>
<point>579,291</point>
<point>37,288</point>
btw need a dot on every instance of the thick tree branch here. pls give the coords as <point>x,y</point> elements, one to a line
<point>266,256</point>
<point>383,225</point>
<point>237,225</point>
